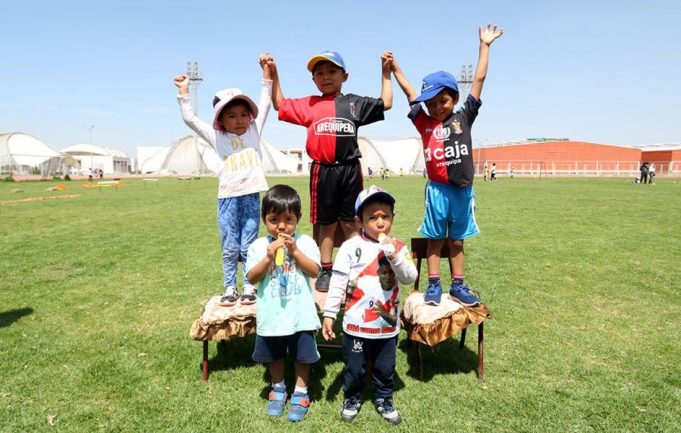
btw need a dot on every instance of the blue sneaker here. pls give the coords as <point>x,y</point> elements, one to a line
<point>300,404</point>
<point>464,295</point>
<point>275,406</point>
<point>433,294</point>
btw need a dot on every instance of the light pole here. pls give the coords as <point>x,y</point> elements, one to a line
<point>465,82</point>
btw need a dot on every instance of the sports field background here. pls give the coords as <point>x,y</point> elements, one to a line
<point>97,294</point>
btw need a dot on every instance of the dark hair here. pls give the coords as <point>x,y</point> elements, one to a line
<point>281,198</point>
<point>376,198</point>
<point>321,62</point>
<point>451,92</point>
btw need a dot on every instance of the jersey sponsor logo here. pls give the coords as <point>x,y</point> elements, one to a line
<point>450,152</point>
<point>441,133</point>
<point>336,126</point>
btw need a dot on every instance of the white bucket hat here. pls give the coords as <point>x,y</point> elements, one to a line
<point>224,97</point>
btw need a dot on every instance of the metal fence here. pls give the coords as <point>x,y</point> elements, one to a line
<point>577,168</point>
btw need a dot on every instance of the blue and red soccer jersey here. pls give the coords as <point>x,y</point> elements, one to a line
<point>447,146</point>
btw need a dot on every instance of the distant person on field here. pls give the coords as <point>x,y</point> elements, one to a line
<point>448,153</point>
<point>332,121</point>
<point>234,133</point>
<point>651,173</point>
<point>512,172</point>
<point>644,172</point>
<point>282,264</point>
<point>370,172</point>
<point>367,273</point>
<point>485,172</point>
<point>493,172</point>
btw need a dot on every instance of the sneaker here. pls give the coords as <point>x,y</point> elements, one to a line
<point>350,409</point>
<point>230,297</point>
<point>300,404</point>
<point>323,280</point>
<point>277,400</point>
<point>248,298</point>
<point>387,410</point>
<point>464,295</point>
<point>433,294</point>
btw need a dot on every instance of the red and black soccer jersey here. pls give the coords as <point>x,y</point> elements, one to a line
<point>447,146</point>
<point>332,123</point>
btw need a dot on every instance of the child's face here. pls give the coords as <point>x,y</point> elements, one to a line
<point>235,119</point>
<point>441,106</point>
<point>329,78</point>
<point>282,222</point>
<point>376,218</point>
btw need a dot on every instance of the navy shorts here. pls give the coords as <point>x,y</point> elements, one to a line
<point>333,191</point>
<point>302,347</point>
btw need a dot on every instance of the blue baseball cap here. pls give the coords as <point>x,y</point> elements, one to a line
<point>435,83</point>
<point>326,56</point>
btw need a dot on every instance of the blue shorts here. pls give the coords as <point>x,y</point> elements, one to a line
<point>450,212</point>
<point>302,347</point>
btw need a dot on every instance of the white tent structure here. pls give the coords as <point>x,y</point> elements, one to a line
<point>191,155</point>
<point>276,161</point>
<point>392,153</point>
<point>23,154</point>
<point>110,161</point>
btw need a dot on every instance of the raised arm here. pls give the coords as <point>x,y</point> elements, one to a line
<point>386,82</point>
<point>189,116</point>
<point>277,94</point>
<point>487,36</point>
<point>265,101</point>
<point>403,82</point>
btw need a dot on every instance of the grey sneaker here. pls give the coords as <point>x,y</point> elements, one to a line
<point>248,298</point>
<point>387,410</point>
<point>323,280</point>
<point>350,409</point>
<point>230,297</point>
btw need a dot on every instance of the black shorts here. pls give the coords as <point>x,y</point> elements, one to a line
<point>333,191</point>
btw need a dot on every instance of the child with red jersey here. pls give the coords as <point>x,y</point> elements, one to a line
<point>448,153</point>
<point>366,272</point>
<point>332,121</point>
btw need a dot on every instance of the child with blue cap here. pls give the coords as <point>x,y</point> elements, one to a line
<point>448,154</point>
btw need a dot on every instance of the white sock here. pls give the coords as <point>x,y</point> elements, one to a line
<point>300,389</point>
<point>279,384</point>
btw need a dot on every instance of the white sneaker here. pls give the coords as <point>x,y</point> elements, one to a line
<point>248,298</point>
<point>230,297</point>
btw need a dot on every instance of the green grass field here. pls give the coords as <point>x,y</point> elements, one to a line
<point>97,294</point>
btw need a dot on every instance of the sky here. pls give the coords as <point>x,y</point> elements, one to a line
<point>600,71</point>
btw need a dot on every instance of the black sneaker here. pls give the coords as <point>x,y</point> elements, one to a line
<point>387,410</point>
<point>230,297</point>
<point>248,298</point>
<point>323,280</point>
<point>350,409</point>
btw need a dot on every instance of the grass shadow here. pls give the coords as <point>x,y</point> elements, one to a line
<point>233,353</point>
<point>444,358</point>
<point>7,318</point>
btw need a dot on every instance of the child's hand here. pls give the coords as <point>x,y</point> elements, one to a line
<point>290,243</point>
<point>274,246</point>
<point>490,34</point>
<point>327,329</point>
<point>263,59</point>
<point>181,81</point>
<point>387,61</point>
<point>388,245</point>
